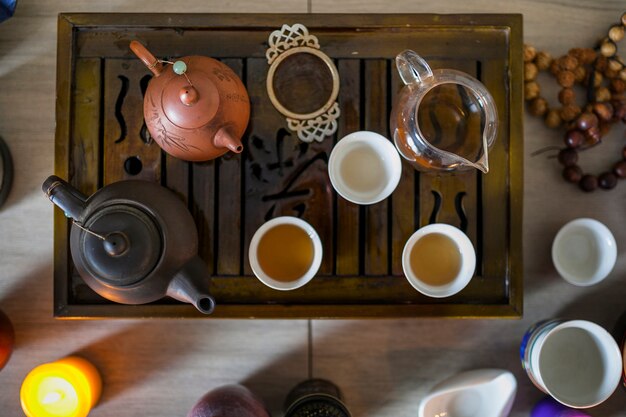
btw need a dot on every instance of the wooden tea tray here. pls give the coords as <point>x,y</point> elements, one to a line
<point>101,138</point>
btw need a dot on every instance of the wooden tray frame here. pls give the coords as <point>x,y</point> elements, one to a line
<point>495,41</point>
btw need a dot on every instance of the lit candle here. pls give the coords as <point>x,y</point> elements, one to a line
<point>7,339</point>
<point>69,387</point>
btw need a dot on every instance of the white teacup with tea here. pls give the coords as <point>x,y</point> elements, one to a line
<point>364,167</point>
<point>438,260</point>
<point>285,253</point>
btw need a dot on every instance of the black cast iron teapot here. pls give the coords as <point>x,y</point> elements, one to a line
<point>134,242</point>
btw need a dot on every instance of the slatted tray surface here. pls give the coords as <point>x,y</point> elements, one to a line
<point>101,137</point>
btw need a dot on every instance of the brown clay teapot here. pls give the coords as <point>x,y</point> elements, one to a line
<point>195,109</point>
<point>134,242</point>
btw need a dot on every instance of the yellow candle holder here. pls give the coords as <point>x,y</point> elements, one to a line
<point>69,387</point>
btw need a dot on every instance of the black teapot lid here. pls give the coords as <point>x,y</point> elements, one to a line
<point>120,244</point>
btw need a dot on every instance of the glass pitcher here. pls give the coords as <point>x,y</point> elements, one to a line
<point>442,120</point>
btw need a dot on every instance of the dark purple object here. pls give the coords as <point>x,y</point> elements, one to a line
<point>7,8</point>
<point>229,401</point>
<point>548,407</point>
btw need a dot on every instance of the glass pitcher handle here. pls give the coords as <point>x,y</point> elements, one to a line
<point>412,67</point>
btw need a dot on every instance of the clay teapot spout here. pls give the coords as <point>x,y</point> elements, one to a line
<point>191,285</point>
<point>223,139</point>
<point>66,197</point>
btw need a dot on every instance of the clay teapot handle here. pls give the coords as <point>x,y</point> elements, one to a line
<point>147,58</point>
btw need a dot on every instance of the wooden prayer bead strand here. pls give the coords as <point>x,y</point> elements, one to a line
<point>603,73</point>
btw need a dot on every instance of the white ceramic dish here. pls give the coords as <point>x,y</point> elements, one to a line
<point>477,393</point>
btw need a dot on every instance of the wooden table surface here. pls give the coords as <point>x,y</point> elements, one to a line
<point>161,367</point>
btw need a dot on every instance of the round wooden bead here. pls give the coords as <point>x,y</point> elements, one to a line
<point>619,169</point>
<point>580,74</point>
<point>608,48</point>
<point>568,157</point>
<point>603,94</point>
<point>565,78</point>
<point>623,19</point>
<point>531,90</point>
<point>607,180</point>
<point>588,183</point>
<point>572,174</point>
<point>529,53</point>
<point>593,136</point>
<point>597,79</point>
<point>567,96</point>
<point>601,63</point>
<point>553,119</point>
<point>615,65</point>
<point>555,67</point>
<point>618,85</point>
<point>616,33</point>
<point>568,62</point>
<point>570,112</point>
<point>586,120</point>
<point>530,71</point>
<point>604,111</point>
<point>543,61</point>
<point>574,138</point>
<point>538,107</point>
<point>585,56</point>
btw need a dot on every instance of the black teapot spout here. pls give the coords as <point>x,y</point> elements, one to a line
<point>191,285</point>
<point>66,197</point>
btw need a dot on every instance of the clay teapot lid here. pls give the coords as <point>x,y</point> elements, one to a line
<point>189,99</point>
<point>120,244</point>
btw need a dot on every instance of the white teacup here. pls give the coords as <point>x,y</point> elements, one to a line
<point>446,263</point>
<point>577,362</point>
<point>584,252</point>
<point>364,167</point>
<point>286,252</point>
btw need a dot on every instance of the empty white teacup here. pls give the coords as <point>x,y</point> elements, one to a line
<point>584,252</point>
<point>438,260</point>
<point>364,167</point>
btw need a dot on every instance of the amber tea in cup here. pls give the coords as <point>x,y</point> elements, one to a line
<point>438,260</point>
<point>435,259</point>
<point>285,253</point>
